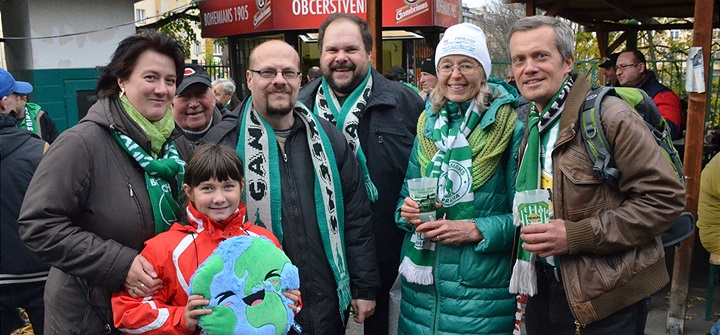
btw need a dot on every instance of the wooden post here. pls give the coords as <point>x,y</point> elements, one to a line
<point>697,105</point>
<point>530,8</point>
<point>603,40</point>
<point>374,20</point>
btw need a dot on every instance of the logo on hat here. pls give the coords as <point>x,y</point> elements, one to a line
<point>194,74</point>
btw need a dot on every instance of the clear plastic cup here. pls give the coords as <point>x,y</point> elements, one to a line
<point>424,192</point>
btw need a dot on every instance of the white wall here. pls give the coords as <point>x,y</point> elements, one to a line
<point>90,44</point>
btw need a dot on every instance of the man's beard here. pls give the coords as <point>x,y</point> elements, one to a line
<point>349,87</point>
<point>278,111</point>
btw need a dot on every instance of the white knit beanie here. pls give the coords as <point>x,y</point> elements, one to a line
<point>465,39</point>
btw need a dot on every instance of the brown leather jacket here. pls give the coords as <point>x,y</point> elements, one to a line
<point>616,257</point>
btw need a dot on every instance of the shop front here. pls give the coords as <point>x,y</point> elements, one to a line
<point>411,28</point>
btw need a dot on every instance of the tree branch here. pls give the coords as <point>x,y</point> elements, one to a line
<point>172,17</point>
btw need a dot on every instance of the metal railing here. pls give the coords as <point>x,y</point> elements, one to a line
<point>218,71</point>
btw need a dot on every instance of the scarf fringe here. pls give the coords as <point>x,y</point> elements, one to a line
<point>372,191</point>
<point>344,295</point>
<point>524,278</point>
<point>417,274</point>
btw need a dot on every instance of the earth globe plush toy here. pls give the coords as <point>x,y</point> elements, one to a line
<point>244,279</point>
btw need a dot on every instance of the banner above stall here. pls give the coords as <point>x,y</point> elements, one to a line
<point>222,18</point>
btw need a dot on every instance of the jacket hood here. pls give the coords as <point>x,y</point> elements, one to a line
<point>11,138</point>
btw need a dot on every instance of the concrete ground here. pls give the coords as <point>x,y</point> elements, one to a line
<point>695,323</point>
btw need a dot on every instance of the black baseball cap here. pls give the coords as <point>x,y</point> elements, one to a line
<point>428,66</point>
<point>609,61</point>
<point>194,74</point>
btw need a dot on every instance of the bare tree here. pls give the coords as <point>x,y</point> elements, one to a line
<point>497,18</point>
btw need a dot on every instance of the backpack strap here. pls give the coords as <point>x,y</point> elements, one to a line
<point>594,138</point>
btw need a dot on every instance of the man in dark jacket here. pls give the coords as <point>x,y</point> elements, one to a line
<point>609,69</point>
<point>305,185</point>
<point>379,119</point>
<point>632,72</point>
<point>599,255</point>
<point>194,109</point>
<point>37,121</point>
<point>22,273</point>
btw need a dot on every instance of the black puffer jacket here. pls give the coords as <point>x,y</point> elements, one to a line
<point>87,212</point>
<point>20,154</point>
<point>387,130</point>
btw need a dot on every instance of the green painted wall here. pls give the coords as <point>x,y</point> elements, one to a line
<point>56,91</point>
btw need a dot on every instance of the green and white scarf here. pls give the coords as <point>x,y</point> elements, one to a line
<point>157,131</point>
<point>452,165</point>
<point>523,279</point>
<point>158,175</point>
<point>347,118</point>
<point>29,122</point>
<point>258,149</point>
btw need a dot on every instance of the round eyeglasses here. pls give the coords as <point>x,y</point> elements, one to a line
<point>465,69</point>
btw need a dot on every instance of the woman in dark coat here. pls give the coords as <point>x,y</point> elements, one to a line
<point>105,186</point>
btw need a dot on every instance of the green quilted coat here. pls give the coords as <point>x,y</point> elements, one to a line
<point>470,291</point>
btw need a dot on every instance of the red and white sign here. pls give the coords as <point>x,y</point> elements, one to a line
<point>220,18</point>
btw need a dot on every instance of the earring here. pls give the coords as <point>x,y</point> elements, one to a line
<point>122,91</point>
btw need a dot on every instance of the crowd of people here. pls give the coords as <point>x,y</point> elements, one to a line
<point>108,221</point>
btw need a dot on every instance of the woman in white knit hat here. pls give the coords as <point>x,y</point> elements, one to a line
<point>456,269</point>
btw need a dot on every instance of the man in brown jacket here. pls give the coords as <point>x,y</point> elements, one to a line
<point>600,254</point>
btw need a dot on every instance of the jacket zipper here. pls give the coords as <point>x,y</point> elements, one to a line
<point>437,289</point>
<point>131,191</point>
<point>578,325</point>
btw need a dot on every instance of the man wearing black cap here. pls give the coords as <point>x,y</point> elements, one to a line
<point>428,78</point>
<point>608,69</point>
<point>194,110</point>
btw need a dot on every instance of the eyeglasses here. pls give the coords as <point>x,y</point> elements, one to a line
<point>624,66</point>
<point>269,74</point>
<point>465,69</point>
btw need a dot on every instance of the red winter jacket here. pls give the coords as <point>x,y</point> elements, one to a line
<point>175,255</point>
<point>666,100</point>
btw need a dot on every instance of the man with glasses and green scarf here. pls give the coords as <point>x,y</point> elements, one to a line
<point>589,268</point>
<point>378,118</point>
<point>304,184</point>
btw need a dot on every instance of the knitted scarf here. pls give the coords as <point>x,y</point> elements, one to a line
<point>258,149</point>
<point>523,279</point>
<point>347,118</point>
<point>157,131</point>
<point>462,160</point>
<point>158,175</point>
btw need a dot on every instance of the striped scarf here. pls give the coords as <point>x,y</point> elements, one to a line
<point>258,149</point>
<point>347,118</point>
<point>523,279</point>
<point>461,166</point>
<point>159,173</point>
